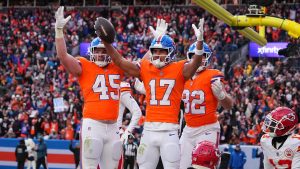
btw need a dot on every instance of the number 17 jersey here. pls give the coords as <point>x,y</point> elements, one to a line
<point>164,88</point>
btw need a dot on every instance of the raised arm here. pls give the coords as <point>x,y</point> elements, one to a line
<point>130,68</point>
<point>70,63</point>
<point>191,67</point>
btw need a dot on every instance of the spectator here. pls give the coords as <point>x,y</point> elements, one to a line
<point>238,158</point>
<point>21,154</point>
<point>76,151</point>
<point>41,154</point>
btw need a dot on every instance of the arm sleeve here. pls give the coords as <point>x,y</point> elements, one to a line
<point>128,101</point>
<point>120,116</point>
<point>267,164</point>
<point>296,159</point>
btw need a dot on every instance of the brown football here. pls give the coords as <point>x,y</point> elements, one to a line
<point>105,30</point>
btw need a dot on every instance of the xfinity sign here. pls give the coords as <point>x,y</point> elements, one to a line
<point>269,50</point>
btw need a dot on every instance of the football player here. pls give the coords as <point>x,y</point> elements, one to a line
<point>280,146</point>
<point>205,155</point>
<point>201,96</point>
<point>99,80</point>
<point>163,80</point>
<point>127,101</point>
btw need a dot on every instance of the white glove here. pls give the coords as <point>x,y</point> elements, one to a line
<point>199,31</point>
<point>139,86</point>
<point>161,28</point>
<point>60,22</point>
<point>218,91</point>
<point>124,136</point>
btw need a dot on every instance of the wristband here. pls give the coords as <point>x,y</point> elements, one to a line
<point>59,33</point>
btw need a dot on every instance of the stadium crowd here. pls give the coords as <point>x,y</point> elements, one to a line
<point>31,75</point>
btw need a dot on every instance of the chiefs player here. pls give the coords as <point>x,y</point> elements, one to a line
<point>280,146</point>
<point>201,97</point>
<point>164,82</point>
<point>205,155</point>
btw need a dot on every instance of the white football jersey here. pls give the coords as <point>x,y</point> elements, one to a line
<point>286,157</point>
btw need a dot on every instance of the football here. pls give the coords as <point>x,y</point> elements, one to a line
<point>105,30</point>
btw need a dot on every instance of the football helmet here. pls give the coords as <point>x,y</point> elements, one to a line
<point>205,154</point>
<point>100,59</point>
<point>162,42</point>
<point>280,122</point>
<point>207,55</point>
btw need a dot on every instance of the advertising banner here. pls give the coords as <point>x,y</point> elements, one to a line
<point>270,50</point>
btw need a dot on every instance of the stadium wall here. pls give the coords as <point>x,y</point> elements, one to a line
<point>60,157</point>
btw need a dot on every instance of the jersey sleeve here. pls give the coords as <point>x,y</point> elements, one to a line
<point>125,87</point>
<point>129,102</point>
<point>84,63</point>
<point>267,164</point>
<point>82,60</point>
<point>296,159</point>
<point>217,75</point>
<point>180,68</point>
<point>120,116</point>
<point>142,65</point>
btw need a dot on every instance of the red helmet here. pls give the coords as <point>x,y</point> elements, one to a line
<point>281,121</point>
<point>205,154</point>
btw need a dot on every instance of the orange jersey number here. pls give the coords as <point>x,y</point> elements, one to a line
<point>101,87</point>
<point>193,101</point>
<point>162,83</point>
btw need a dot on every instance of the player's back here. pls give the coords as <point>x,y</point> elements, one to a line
<point>164,88</point>
<point>285,157</point>
<point>100,88</point>
<point>200,102</point>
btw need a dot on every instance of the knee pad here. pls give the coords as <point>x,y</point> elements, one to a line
<point>92,148</point>
<point>117,150</point>
<point>170,152</point>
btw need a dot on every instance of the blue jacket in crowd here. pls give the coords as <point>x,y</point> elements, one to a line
<point>237,159</point>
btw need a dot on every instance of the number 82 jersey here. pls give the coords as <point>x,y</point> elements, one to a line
<point>199,101</point>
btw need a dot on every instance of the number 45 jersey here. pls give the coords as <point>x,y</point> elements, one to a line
<point>100,89</point>
<point>286,157</point>
<point>199,101</point>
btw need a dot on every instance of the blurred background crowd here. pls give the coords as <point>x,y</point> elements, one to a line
<point>31,75</point>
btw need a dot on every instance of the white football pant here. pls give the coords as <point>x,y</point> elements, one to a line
<point>192,136</point>
<point>100,144</point>
<point>159,143</point>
